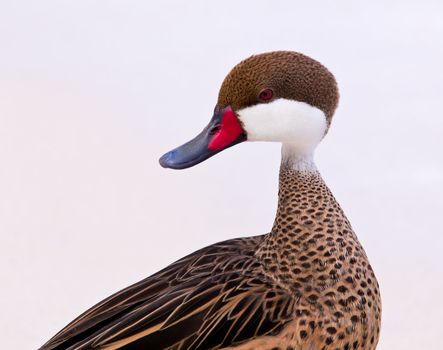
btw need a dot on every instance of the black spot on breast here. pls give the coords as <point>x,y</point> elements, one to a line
<point>329,302</point>
<point>331,330</point>
<point>342,289</point>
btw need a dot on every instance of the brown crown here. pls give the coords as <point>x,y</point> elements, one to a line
<point>290,75</point>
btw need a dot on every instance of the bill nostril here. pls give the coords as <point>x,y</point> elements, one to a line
<point>215,129</point>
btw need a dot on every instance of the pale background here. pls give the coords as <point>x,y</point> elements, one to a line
<point>93,92</point>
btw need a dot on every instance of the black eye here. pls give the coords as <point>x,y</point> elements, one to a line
<point>266,95</point>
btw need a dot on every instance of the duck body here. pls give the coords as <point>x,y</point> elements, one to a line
<point>305,285</point>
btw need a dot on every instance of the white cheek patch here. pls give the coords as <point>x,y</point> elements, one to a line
<point>290,122</point>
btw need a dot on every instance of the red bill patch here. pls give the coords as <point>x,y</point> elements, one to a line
<point>230,129</point>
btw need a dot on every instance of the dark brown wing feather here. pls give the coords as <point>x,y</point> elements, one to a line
<point>215,297</point>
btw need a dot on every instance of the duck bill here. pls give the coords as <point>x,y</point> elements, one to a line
<point>223,131</point>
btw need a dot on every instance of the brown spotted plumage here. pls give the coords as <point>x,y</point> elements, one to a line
<point>306,285</point>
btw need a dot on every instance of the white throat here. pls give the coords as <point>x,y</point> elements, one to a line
<point>291,158</point>
<point>297,125</point>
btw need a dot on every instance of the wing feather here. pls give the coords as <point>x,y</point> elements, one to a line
<point>213,298</point>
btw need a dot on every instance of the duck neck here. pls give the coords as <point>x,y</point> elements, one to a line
<point>296,160</point>
<point>305,203</point>
<point>310,228</point>
<point>304,200</point>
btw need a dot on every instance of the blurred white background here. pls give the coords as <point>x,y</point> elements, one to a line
<point>93,92</point>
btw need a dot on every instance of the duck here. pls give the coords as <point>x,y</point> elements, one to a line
<point>305,285</point>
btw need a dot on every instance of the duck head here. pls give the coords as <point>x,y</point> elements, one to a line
<point>279,96</point>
